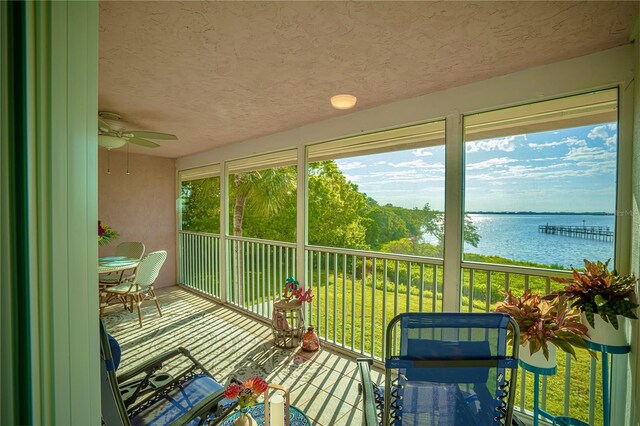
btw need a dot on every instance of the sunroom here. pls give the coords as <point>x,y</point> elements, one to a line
<point>432,201</point>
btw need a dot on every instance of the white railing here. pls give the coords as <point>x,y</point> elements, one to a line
<point>356,293</point>
<point>568,392</point>
<point>199,262</point>
<point>258,270</point>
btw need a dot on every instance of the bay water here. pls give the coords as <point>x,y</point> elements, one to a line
<point>515,236</point>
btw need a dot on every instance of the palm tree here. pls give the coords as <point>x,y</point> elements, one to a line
<point>262,190</point>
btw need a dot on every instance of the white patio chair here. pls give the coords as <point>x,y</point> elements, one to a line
<point>130,249</point>
<point>141,288</point>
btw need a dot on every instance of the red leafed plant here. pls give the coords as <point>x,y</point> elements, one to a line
<point>545,321</point>
<point>247,392</point>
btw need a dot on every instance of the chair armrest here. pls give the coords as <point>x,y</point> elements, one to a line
<point>156,363</point>
<point>369,416</point>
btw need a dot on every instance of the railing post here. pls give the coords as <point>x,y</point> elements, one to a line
<point>301,220</point>
<point>224,218</point>
<point>453,212</point>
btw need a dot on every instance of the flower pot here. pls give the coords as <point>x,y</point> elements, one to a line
<point>603,333</point>
<point>245,419</point>
<point>537,359</point>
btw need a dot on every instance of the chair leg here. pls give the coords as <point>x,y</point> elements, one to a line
<point>155,299</point>
<point>139,302</point>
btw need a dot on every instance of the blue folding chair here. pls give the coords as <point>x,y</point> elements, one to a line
<point>148,395</point>
<point>445,369</point>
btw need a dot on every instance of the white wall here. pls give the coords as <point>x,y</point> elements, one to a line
<point>141,206</point>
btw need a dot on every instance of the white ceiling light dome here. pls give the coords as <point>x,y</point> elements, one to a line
<point>343,101</point>
<point>111,142</point>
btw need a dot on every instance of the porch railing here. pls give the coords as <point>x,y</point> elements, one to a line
<point>258,270</point>
<point>356,293</point>
<point>199,262</point>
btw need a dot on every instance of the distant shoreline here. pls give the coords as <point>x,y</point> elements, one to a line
<point>547,213</point>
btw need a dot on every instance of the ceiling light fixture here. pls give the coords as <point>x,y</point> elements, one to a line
<point>110,142</point>
<point>343,101</point>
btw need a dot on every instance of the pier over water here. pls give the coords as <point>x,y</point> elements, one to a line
<point>600,233</point>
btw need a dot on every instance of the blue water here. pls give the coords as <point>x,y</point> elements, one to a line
<point>516,236</point>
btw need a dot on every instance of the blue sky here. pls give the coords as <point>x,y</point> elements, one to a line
<point>568,170</point>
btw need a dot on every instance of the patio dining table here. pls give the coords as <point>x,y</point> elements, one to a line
<point>116,264</point>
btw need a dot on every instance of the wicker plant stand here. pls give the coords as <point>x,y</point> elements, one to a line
<point>287,323</point>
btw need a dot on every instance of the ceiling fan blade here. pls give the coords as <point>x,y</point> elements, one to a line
<point>143,142</point>
<point>152,135</point>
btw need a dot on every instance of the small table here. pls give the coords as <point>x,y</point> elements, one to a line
<point>606,350</point>
<point>297,417</point>
<point>537,372</point>
<point>116,264</point>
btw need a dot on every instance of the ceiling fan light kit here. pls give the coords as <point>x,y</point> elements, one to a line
<point>111,142</point>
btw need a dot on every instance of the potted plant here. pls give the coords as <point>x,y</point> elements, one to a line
<point>604,298</point>
<point>247,394</point>
<point>544,326</point>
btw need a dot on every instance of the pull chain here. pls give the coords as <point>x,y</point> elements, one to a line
<point>108,161</point>
<point>128,158</point>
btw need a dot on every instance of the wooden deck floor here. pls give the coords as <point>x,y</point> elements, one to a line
<point>324,384</point>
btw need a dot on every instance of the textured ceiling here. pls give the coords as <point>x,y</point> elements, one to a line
<point>215,73</point>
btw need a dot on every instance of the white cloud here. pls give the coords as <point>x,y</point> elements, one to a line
<point>611,141</point>
<point>584,153</point>
<point>422,152</point>
<point>598,132</point>
<point>418,164</point>
<point>351,165</point>
<point>497,144</point>
<point>612,126</point>
<point>493,162</point>
<point>380,163</point>
<point>570,141</point>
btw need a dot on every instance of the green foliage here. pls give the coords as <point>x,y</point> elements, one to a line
<point>545,321</point>
<point>201,205</point>
<point>335,208</point>
<point>263,203</point>
<point>598,291</point>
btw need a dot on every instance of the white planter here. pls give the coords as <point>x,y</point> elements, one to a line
<point>537,359</point>
<point>603,333</point>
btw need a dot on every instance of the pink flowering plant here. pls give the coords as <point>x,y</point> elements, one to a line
<point>246,392</point>
<point>106,234</point>
<point>297,291</point>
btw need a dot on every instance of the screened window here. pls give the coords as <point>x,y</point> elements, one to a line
<point>540,181</point>
<point>382,191</point>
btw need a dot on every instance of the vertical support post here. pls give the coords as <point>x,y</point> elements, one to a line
<point>301,221</point>
<point>223,253</point>
<point>454,161</point>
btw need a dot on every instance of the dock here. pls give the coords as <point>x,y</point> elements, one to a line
<point>600,233</point>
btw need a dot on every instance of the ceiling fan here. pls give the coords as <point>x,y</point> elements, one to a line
<point>112,134</point>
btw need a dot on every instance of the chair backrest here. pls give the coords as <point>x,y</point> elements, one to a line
<point>450,368</point>
<point>114,411</point>
<point>149,268</point>
<point>132,249</point>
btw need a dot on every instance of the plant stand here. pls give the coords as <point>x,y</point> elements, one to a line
<point>606,350</point>
<point>287,323</point>
<point>537,372</point>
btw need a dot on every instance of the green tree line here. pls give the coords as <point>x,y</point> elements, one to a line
<point>262,205</point>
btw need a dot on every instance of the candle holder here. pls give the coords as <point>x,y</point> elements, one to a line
<point>279,420</point>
